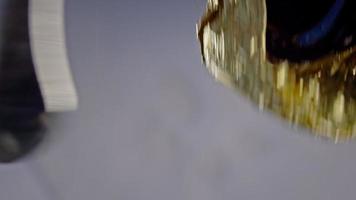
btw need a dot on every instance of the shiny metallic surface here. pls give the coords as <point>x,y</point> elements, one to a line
<point>318,94</point>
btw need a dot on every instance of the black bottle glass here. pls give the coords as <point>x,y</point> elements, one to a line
<point>21,104</point>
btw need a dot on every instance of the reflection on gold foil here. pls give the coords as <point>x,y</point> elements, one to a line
<point>317,94</point>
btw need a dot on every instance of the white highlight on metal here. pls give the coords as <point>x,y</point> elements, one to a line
<point>252,46</point>
<point>48,46</point>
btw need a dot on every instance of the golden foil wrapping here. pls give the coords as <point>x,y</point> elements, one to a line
<point>319,95</point>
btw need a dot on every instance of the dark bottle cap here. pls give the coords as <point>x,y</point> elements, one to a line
<point>302,30</point>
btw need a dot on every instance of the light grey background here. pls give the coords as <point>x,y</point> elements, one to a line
<point>153,125</point>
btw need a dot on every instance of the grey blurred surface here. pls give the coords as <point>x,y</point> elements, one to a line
<point>153,125</point>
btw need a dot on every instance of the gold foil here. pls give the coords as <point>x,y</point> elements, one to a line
<point>319,95</point>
